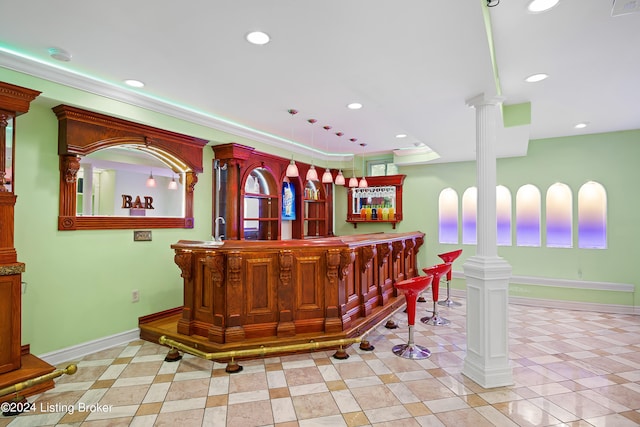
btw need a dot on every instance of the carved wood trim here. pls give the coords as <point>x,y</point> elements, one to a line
<point>285,259</point>
<point>398,247</point>
<point>69,166</point>
<point>82,132</point>
<point>15,98</point>
<point>419,241</point>
<point>333,263</point>
<point>347,257</point>
<point>215,264</point>
<point>383,250</point>
<point>234,264</point>
<point>366,256</point>
<point>183,260</point>
<point>409,244</point>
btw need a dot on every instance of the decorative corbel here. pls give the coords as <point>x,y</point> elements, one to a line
<point>192,180</point>
<point>347,257</point>
<point>383,250</point>
<point>398,247</point>
<point>215,264</point>
<point>285,258</point>
<point>409,244</point>
<point>70,166</point>
<point>333,263</point>
<point>234,264</point>
<point>366,253</point>
<point>183,260</point>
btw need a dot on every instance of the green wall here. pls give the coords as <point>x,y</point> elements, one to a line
<point>609,159</point>
<point>79,283</point>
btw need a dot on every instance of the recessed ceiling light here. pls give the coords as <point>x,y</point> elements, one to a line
<point>258,37</point>
<point>134,83</point>
<point>354,106</point>
<point>538,6</point>
<point>581,125</point>
<point>534,78</point>
<point>59,54</point>
<point>401,135</point>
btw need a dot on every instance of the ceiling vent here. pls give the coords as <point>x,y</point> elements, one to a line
<point>625,7</point>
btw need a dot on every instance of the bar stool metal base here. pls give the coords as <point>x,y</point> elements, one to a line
<point>411,351</point>
<point>435,320</point>
<point>449,303</point>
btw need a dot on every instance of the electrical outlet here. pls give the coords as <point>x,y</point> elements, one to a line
<point>135,295</point>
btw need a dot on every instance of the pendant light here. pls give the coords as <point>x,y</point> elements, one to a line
<point>292,169</point>
<point>173,184</point>
<point>312,174</point>
<point>353,181</point>
<point>151,181</point>
<point>340,176</point>
<point>327,178</point>
<point>363,182</point>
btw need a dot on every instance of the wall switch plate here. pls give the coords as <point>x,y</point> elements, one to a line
<point>141,235</point>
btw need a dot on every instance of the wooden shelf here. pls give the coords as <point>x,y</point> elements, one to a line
<point>232,190</point>
<point>355,196</point>
<point>355,222</point>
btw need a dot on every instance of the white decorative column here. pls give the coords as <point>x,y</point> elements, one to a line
<point>487,360</point>
<point>87,189</point>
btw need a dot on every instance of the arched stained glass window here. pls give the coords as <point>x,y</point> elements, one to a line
<point>528,216</point>
<point>469,215</point>
<point>448,216</point>
<point>559,216</point>
<point>503,215</point>
<point>592,216</point>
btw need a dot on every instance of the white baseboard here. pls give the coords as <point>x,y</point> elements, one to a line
<point>561,304</point>
<point>564,283</point>
<point>75,352</point>
<point>575,305</point>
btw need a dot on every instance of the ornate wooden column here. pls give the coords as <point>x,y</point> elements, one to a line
<point>16,364</point>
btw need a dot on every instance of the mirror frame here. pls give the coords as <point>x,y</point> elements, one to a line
<point>81,132</point>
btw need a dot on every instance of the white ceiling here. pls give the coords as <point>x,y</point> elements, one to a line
<point>413,64</point>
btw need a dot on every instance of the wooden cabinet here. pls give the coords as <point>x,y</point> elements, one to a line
<point>380,202</point>
<point>248,197</point>
<point>16,364</point>
<point>10,288</point>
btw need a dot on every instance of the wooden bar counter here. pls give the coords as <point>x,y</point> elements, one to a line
<point>240,294</point>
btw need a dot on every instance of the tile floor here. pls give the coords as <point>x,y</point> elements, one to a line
<point>570,368</point>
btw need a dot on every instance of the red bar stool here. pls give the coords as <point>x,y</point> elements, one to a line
<point>448,258</point>
<point>436,271</point>
<point>411,288</point>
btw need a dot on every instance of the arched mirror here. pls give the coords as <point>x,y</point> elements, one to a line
<point>116,174</point>
<point>125,181</point>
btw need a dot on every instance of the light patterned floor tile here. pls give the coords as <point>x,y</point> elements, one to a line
<point>577,368</point>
